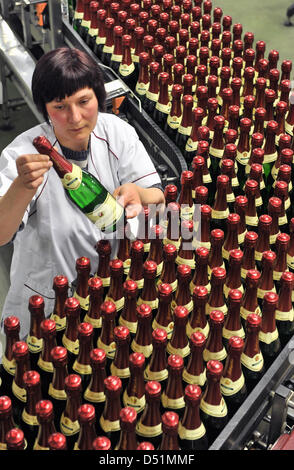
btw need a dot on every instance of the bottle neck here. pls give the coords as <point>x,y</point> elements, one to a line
<point>233,368</point>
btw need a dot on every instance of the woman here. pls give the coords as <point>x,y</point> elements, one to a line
<point>49,233</point>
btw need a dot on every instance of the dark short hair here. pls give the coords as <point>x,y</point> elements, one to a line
<point>62,72</point>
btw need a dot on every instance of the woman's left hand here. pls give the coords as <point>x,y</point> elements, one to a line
<point>128,195</point>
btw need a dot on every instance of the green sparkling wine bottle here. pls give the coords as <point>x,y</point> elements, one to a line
<point>84,190</point>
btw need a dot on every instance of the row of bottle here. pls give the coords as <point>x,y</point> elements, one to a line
<point>188,358</point>
<point>240,76</point>
<point>224,390</point>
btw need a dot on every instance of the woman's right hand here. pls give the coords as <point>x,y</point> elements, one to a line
<point>31,169</point>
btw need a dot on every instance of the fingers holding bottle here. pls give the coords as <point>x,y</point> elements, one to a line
<point>31,169</point>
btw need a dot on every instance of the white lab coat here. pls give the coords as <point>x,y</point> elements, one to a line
<point>54,232</point>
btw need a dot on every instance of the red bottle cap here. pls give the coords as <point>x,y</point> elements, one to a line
<point>112,383</point>
<point>31,378</point>
<point>101,443</point>
<point>58,354</point>
<point>44,409</point>
<point>214,368</point>
<point>97,355</point>
<point>5,405</point>
<point>145,446</point>
<point>57,441</point>
<point>236,343</point>
<point>11,323</point>
<point>14,438</point>
<point>73,382</point>
<point>175,362</point>
<point>86,413</point>
<point>159,336</point>
<point>20,349</point>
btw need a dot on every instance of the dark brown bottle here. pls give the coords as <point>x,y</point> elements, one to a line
<point>248,261</point>
<point>151,96</point>
<point>127,70</point>
<point>120,364</point>
<point>128,317</point>
<point>213,408</point>
<point>192,142</point>
<point>21,356</point>
<point>57,441</point>
<point>83,269</point>
<point>172,398</point>
<point>252,359</point>
<point>232,324</point>
<point>266,283</point>
<point>60,287</point>
<point>134,394</point>
<point>263,242</point>
<point>269,340</point>
<point>101,36</point>
<point>56,390</point>
<point>15,439</point>
<point>149,425</point>
<point>274,210</point>
<point>148,295</point>
<point>93,29</point>
<point>217,144</point>
<point>281,248</point>
<point>34,338</point>
<point>157,366</point>
<point>45,365</point>
<point>192,433</point>
<point>284,311</point>
<point>220,209</point>
<point>29,422</point>
<point>168,273</point>
<point>186,197</point>
<point>156,247</point>
<point>234,280</point>
<point>103,249</point>
<point>185,128</point>
<point>200,277</point>
<point>174,117</point>
<point>182,295</point>
<point>163,104</point>
<point>45,415</point>
<point>137,260</point>
<point>170,424</point>
<point>95,391</point>
<point>70,337</point>
<point>163,318</point>
<point>186,252</point>
<point>241,204</point>
<point>106,338</point>
<point>128,421</point>
<point>109,420</point>
<point>251,217</point>
<point>8,366</point>
<point>173,212</point>
<point>87,433</point>
<point>214,348</point>
<point>101,443</point>
<point>233,386</point>
<point>198,318</point>
<point>231,242</point>
<point>195,371</point>
<point>6,420</point>
<point>250,300</point>
<point>124,248</point>
<point>69,422</point>
<point>96,295</point>
<point>216,299</point>
<point>115,292</point>
<point>215,258</point>
<point>179,343</point>
<point>108,46</point>
<point>82,364</point>
<point>142,342</point>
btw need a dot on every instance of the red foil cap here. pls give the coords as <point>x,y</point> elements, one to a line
<point>101,443</point>
<point>73,382</point>
<point>57,441</point>
<point>31,378</point>
<point>86,412</point>
<point>44,409</point>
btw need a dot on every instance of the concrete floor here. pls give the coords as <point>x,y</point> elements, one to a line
<point>265,18</point>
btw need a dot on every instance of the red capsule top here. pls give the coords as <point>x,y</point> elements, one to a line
<point>152,389</point>
<point>5,405</point>
<point>31,378</point>
<point>217,317</point>
<point>57,441</point>
<point>121,333</point>
<point>97,355</point>
<point>170,421</point>
<point>14,439</point>
<point>175,362</point>
<point>60,281</point>
<point>214,368</point>
<point>271,297</point>
<point>11,323</point>
<point>20,349</point>
<point>145,446</point>
<point>44,408</point>
<point>48,326</point>
<point>112,383</point>
<point>101,443</point>
<point>85,329</point>
<point>58,354</point>
<point>95,283</point>
<point>73,382</point>
<point>71,305</point>
<point>108,308</point>
<point>86,412</point>
<point>192,393</point>
<point>83,263</point>
<point>236,343</point>
<point>181,312</point>
<point>137,360</point>
<point>128,416</point>
<point>159,335</point>
<point>144,311</point>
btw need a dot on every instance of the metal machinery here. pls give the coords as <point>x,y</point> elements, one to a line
<point>268,412</point>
